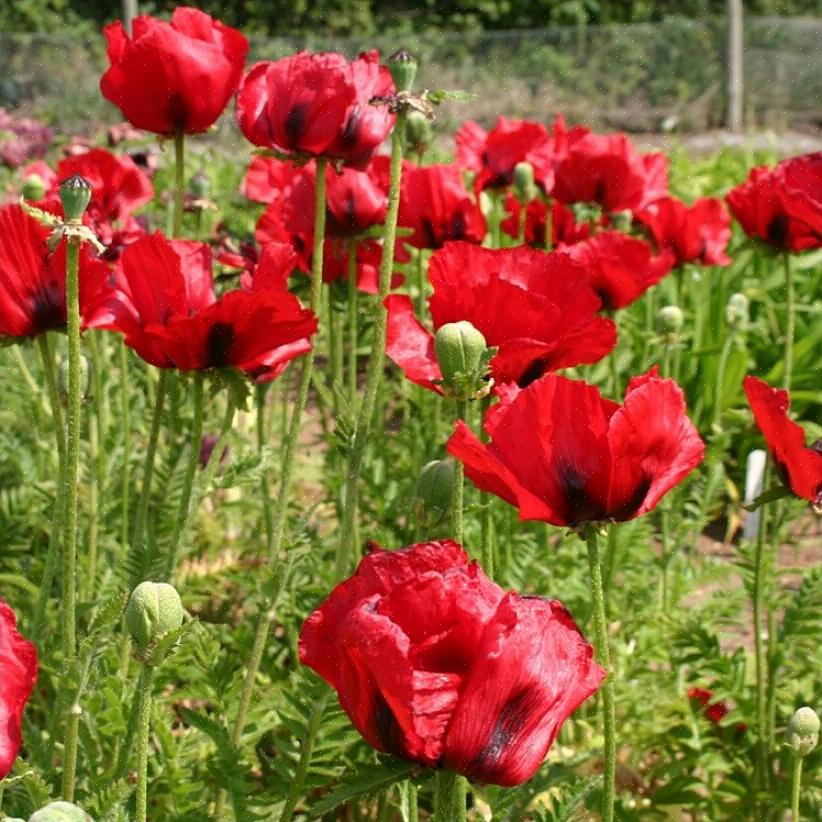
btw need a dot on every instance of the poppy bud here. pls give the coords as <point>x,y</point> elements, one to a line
<point>63,378</point>
<point>461,351</point>
<point>435,489</point>
<point>670,319</point>
<point>736,311</point>
<point>418,132</point>
<point>153,611</point>
<point>200,185</point>
<point>34,188</point>
<point>403,67</point>
<point>525,189</point>
<point>803,731</point>
<point>621,220</point>
<point>75,194</point>
<point>60,812</point>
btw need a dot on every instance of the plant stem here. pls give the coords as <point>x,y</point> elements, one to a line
<point>458,493</point>
<point>724,356</point>
<point>796,784</point>
<point>549,224</point>
<point>346,546</point>
<point>523,217</point>
<point>447,798</point>
<point>70,495</point>
<point>759,647</point>
<point>143,729</point>
<point>353,323</point>
<point>125,429</point>
<point>606,689</point>
<point>413,802</point>
<point>265,485</point>
<point>790,324</point>
<point>179,181</point>
<point>141,517</point>
<point>184,510</point>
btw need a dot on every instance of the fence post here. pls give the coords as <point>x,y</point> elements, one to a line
<point>129,13</point>
<point>735,90</point>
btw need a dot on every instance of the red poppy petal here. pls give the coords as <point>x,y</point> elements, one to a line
<point>409,345</point>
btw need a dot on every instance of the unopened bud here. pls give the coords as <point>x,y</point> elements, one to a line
<point>670,319</point>
<point>461,354</point>
<point>34,188</point>
<point>418,132</point>
<point>63,378</point>
<point>403,67</point>
<point>434,494</point>
<point>153,611</point>
<point>60,812</point>
<point>803,731</point>
<point>200,185</point>
<point>525,188</point>
<point>75,195</point>
<point>736,311</point>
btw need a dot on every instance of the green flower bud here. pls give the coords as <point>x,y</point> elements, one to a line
<point>200,185</point>
<point>736,311</point>
<point>525,188</point>
<point>621,220</point>
<point>75,195</point>
<point>670,319</point>
<point>418,132</point>
<point>461,353</point>
<point>403,67</point>
<point>153,611</point>
<point>60,812</point>
<point>803,731</point>
<point>63,378</point>
<point>34,188</point>
<point>586,212</point>
<point>434,493</point>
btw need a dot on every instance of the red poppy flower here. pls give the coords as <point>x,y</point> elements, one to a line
<point>563,454</point>
<point>493,154</point>
<point>317,104</point>
<point>173,78</point>
<point>437,207</point>
<point>620,268</point>
<point>607,170</point>
<point>783,205</point>
<point>435,663</point>
<point>799,465</point>
<point>565,230</point>
<point>162,300</point>
<point>535,307</point>
<point>32,279</point>
<point>693,234</point>
<point>18,666</point>
<point>713,709</point>
<point>268,179</point>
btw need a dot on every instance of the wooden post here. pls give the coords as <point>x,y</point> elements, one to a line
<point>129,13</point>
<point>735,90</point>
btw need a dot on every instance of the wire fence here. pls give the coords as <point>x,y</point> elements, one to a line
<point>667,76</point>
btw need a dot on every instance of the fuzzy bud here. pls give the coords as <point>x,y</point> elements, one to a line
<point>434,493</point>
<point>34,188</point>
<point>803,731</point>
<point>736,311</point>
<point>670,319</point>
<point>418,132</point>
<point>525,187</point>
<point>153,611</point>
<point>60,812</point>
<point>461,353</point>
<point>75,195</point>
<point>403,67</point>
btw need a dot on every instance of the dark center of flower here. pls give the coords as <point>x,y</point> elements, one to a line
<point>177,112</point>
<point>219,342</point>
<point>295,122</point>
<point>47,311</point>
<point>351,132</point>
<point>388,729</point>
<point>778,230</point>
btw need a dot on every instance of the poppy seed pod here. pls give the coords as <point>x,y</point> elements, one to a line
<point>803,731</point>
<point>34,188</point>
<point>403,67</point>
<point>153,611</point>
<point>434,493</point>
<point>75,195</point>
<point>525,187</point>
<point>670,319</point>
<point>60,812</point>
<point>460,350</point>
<point>418,132</point>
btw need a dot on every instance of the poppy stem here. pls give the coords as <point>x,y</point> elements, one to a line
<point>790,323</point>
<point>523,216</point>
<point>447,804</point>
<point>353,325</point>
<point>549,224</point>
<point>607,691</point>
<point>143,729</point>
<point>125,428</point>
<point>179,181</point>
<point>796,784</point>
<point>346,546</point>
<point>265,485</point>
<point>195,444</point>
<point>458,495</point>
